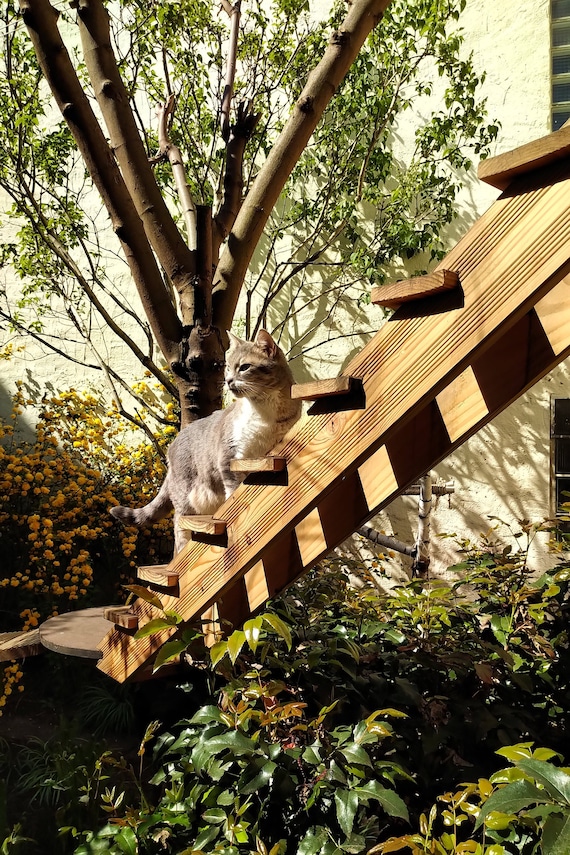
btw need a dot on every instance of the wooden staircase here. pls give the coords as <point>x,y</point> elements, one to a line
<point>491,321</point>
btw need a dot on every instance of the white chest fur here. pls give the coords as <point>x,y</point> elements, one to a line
<point>255,430</point>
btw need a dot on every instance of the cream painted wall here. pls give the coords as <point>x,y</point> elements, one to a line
<point>505,470</point>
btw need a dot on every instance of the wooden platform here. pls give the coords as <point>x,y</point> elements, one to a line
<point>317,389</point>
<point>418,288</point>
<point>500,171</point>
<point>19,645</point>
<point>78,633</point>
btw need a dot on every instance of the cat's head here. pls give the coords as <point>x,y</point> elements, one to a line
<point>256,369</point>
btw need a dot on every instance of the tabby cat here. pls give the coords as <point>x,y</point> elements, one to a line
<point>198,479</point>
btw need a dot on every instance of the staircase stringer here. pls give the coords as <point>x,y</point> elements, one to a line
<point>429,383</point>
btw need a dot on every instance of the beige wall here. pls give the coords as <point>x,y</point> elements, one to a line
<point>503,471</point>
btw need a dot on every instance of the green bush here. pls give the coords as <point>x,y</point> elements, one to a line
<point>341,720</point>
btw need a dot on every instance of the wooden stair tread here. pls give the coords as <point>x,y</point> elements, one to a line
<point>500,170</point>
<point>321,388</point>
<point>202,523</point>
<point>79,633</point>
<point>259,464</point>
<point>122,616</point>
<point>159,574</point>
<point>416,288</point>
<point>19,645</point>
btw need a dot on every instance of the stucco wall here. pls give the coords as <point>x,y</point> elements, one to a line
<point>503,471</point>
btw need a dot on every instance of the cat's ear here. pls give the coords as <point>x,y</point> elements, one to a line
<point>234,340</point>
<point>264,341</point>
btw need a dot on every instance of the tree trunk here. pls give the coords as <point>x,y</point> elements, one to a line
<point>192,335</point>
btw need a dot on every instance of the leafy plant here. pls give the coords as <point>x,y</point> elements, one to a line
<point>342,720</point>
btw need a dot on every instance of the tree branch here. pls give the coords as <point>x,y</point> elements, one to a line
<point>166,148</point>
<point>240,133</point>
<point>40,19</point>
<point>235,13</point>
<point>174,255</point>
<point>344,46</point>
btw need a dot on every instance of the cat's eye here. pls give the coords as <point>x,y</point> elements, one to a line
<point>245,366</point>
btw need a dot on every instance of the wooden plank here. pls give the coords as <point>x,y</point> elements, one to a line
<point>500,171</point>
<point>19,645</point>
<point>256,586</point>
<point>406,290</point>
<point>122,616</point>
<point>321,388</point>
<point>377,477</point>
<point>202,523</point>
<point>311,537</point>
<point>158,574</point>
<point>462,404</point>
<point>509,260</point>
<point>554,314</point>
<point>79,633</point>
<point>259,464</point>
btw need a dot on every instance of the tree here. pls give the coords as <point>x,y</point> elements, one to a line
<point>191,194</point>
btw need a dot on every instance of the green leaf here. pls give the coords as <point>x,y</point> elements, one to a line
<point>206,715</point>
<point>126,840</point>
<point>235,643</point>
<point>232,740</point>
<point>152,626</point>
<point>556,835</point>
<point>354,753</point>
<point>145,594</point>
<point>553,779</point>
<point>511,799</point>
<point>214,816</point>
<point>311,754</point>
<point>390,801</point>
<point>514,753</point>
<point>346,802</point>
<point>313,841</point>
<point>252,630</point>
<point>279,626</point>
<point>218,651</point>
<point>206,836</point>
<point>260,780</point>
<point>167,652</point>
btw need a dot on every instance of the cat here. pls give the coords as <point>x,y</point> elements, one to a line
<point>198,478</point>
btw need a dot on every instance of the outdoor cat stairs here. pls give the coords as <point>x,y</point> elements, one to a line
<point>464,342</point>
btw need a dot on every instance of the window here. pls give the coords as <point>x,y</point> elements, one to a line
<point>560,67</point>
<point>561,453</point>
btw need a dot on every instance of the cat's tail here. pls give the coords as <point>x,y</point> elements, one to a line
<point>158,508</point>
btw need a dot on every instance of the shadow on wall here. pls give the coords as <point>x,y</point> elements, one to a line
<point>24,429</point>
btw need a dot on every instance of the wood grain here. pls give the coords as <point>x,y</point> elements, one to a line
<point>500,170</point>
<point>507,263</point>
<point>554,314</point>
<point>121,616</point>
<point>202,523</point>
<point>461,404</point>
<point>19,645</point>
<point>396,293</point>
<point>259,464</point>
<point>158,574</point>
<point>321,388</point>
<point>256,586</point>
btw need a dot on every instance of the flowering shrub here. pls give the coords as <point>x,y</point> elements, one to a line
<point>61,549</point>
